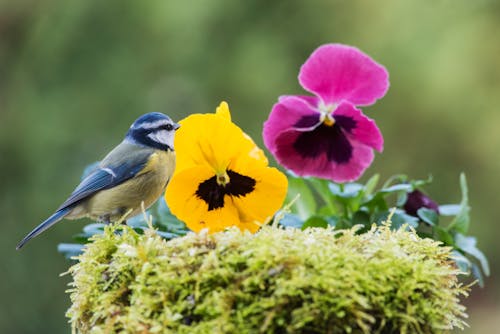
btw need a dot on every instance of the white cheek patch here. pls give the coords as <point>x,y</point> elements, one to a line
<point>163,137</point>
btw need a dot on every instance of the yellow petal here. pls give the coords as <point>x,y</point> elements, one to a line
<point>187,206</point>
<point>208,139</point>
<point>223,110</point>
<point>267,197</point>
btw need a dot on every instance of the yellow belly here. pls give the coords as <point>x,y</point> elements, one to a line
<point>147,186</point>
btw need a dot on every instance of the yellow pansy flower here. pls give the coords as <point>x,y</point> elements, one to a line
<point>222,178</point>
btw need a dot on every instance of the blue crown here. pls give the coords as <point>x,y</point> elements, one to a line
<point>150,118</point>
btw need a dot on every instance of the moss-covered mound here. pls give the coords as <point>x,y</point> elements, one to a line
<point>276,281</point>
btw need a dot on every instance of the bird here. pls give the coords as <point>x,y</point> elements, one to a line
<point>136,171</point>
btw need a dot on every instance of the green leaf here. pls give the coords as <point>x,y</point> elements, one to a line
<point>461,261</point>
<point>346,191</point>
<point>429,216</point>
<point>443,235</point>
<point>449,209</point>
<point>400,217</point>
<point>468,246</point>
<point>325,211</point>
<point>167,235</point>
<point>343,223</point>
<point>94,228</point>
<point>137,222</point>
<point>361,218</point>
<point>420,183</point>
<point>397,187</point>
<point>291,220</point>
<point>476,272</point>
<point>70,250</point>
<point>376,203</point>
<point>424,235</point>
<point>140,230</point>
<point>371,184</point>
<point>462,220</point>
<point>401,199</point>
<point>315,221</point>
<point>80,238</point>
<point>305,206</point>
<point>321,188</point>
<point>332,220</point>
<point>401,178</point>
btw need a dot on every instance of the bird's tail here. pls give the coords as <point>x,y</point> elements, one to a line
<point>57,216</point>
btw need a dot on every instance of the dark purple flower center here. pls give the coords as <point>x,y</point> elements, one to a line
<point>212,192</point>
<point>307,121</point>
<point>325,139</point>
<point>345,122</point>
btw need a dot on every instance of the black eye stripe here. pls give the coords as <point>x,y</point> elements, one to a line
<point>168,127</point>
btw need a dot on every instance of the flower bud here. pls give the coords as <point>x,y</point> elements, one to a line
<point>416,200</point>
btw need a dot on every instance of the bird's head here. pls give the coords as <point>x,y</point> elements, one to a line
<point>154,130</point>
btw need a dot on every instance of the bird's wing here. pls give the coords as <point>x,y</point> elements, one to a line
<point>115,169</point>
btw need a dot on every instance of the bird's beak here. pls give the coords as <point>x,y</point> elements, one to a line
<point>176,126</point>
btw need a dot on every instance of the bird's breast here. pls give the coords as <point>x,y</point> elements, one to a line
<point>146,186</point>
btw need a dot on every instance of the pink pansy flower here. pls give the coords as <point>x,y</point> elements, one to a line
<point>326,135</point>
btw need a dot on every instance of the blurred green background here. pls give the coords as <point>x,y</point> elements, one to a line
<point>75,74</point>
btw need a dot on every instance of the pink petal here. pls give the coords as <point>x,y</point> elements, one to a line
<point>365,130</point>
<point>320,166</point>
<point>337,72</point>
<point>313,101</point>
<point>285,115</point>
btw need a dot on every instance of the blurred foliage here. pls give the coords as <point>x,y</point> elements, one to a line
<point>73,75</point>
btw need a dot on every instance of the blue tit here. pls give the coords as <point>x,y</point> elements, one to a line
<point>136,171</point>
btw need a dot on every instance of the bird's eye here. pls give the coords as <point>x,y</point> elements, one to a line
<point>169,127</point>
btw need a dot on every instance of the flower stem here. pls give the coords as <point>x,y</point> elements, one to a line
<point>321,187</point>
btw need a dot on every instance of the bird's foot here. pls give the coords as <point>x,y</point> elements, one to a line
<point>106,219</point>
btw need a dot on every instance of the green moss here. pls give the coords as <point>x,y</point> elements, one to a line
<point>276,281</point>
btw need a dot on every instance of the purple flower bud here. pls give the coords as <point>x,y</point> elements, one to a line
<point>416,200</point>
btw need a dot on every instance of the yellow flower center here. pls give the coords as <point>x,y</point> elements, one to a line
<point>326,113</point>
<point>329,120</point>
<point>223,179</point>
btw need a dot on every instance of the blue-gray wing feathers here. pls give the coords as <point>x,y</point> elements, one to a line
<point>105,177</point>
